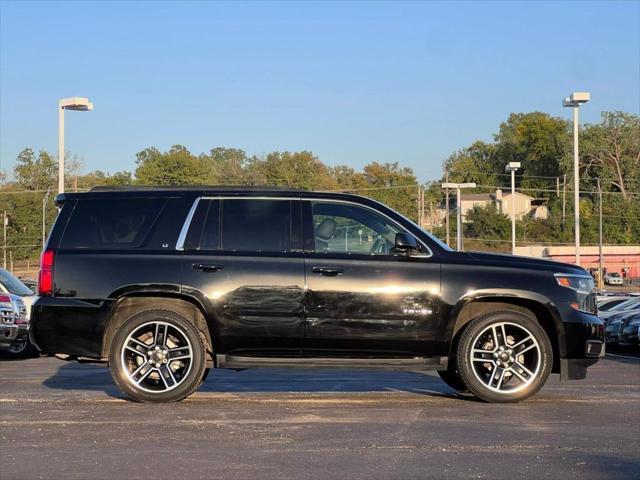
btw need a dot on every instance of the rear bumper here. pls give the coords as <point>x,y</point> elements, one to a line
<point>68,326</point>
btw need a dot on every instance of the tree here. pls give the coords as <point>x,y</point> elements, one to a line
<point>177,166</point>
<point>297,170</point>
<point>487,222</point>
<point>392,185</point>
<point>227,165</point>
<point>477,163</point>
<point>36,172</point>
<point>611,150</point>
<point>541,143</point>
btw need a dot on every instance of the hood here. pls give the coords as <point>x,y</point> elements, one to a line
<point>514,261</point>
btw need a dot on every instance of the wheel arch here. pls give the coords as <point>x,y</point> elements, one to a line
<point>132,303</point>
<point>530,303</point>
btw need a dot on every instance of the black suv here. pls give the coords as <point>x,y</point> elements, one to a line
<point>168,283</point>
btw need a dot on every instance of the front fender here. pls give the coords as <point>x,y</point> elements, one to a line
<point>477,302</point>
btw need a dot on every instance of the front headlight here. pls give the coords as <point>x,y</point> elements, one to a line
<point>583,286</point>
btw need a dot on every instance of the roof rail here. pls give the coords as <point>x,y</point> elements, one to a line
<point>134,188</point>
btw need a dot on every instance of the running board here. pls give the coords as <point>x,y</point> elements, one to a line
<point>413,364</point>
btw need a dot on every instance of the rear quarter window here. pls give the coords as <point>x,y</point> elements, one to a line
<point>111,223</point>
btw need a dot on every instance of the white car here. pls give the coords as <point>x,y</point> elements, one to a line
<point>613,278</point>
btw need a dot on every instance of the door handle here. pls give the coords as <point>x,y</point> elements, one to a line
<point>207,267</point>
<point>328,271</point>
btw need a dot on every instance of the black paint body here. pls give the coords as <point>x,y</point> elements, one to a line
<point>286,304</point>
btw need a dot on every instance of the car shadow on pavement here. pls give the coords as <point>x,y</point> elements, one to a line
<point>96,377</point>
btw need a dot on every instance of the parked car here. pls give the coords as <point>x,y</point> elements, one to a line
<point>607,303</point>
<point>631,304</point>
<point>14,325</point>
<point>166,284</point>
<point>613,278</point>
<point>18,297</point>
<point>629,334</point>
<point>30,284</point>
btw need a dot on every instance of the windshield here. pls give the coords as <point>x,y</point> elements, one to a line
<point>626,305</point>
<point>614,274</point>
<point>13,285</point>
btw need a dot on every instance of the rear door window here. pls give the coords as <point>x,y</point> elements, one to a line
<point>111,223</point>
<point>250,225</point>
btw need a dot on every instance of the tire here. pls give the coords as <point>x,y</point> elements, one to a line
<point>452,379</point>
<point>157,356</point>
<point>514,369</point>
<point>24,349</point>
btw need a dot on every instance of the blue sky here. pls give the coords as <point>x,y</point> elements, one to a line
<point>352,82</point>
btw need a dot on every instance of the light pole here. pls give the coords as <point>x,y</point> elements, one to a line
<point>513,168</point>
<point>574,101</point>
<point>44,218</point>
<point>458,187</point>
<point>81,104</point>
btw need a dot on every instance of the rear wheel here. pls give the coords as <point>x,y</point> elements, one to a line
<point>504,356</point>
<point>157,356</point>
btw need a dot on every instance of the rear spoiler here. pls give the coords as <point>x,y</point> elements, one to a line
<point>60,199</point>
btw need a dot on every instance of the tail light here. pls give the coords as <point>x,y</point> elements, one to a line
<point>45,277</point>
<point>5,298</point>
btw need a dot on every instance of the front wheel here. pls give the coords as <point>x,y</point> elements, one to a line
<point>22,348</point>
<point>453,380</point>
<point>504,356</point>
<point>157,356</point>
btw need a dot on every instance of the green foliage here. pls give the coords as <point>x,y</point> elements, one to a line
<point>539,141</point>
<point>477,163</point>
<point>487,222</point>
<point>177,166</point>
<point>611,151</point>
<point>35,172</point>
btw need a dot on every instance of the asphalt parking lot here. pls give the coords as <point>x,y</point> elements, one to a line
<point>67,420</point>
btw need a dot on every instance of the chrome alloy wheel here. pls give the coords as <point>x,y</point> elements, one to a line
<point>505,357</point>
<point>156,357</point>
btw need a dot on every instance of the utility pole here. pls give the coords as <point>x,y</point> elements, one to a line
<point>420,206</point>
<point>513,167</point>
<point>600,262</point>
<point>458,187</point>
<point>4,248</point>
<point>564,198</point>
<point>446,200</point>
<point>430,217</point>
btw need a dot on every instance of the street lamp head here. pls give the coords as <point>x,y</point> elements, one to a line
<point>76,103</point>
<point>512,167</point>
<point>458,185</point>
<point>576,99</point>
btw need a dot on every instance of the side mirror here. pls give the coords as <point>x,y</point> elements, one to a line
<point>405,242</point>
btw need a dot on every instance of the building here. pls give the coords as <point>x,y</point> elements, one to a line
<point>524,204</point>
<point>615,257</point>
